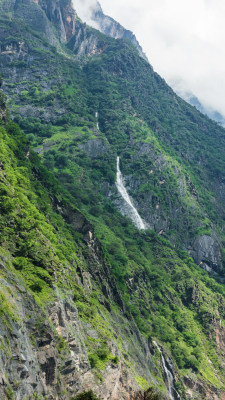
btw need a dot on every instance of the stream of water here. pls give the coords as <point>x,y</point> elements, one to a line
<point>96,116</point>
<point>133,213</point>
<point>169,377</point>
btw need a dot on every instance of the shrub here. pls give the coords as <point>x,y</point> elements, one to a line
<point>149,394</point>
<point>85,396</point>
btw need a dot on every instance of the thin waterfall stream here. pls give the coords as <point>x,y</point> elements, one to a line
<point>133,213</point>
<point>174,395</point>
<point>96,116</point>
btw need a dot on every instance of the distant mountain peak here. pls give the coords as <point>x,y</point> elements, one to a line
<point>211,113</point>
<point>108,25</point>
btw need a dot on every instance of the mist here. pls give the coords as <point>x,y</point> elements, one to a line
<point>183,40</point>
<point>84,10</point>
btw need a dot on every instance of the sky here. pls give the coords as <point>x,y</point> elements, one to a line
<point>184,41</point>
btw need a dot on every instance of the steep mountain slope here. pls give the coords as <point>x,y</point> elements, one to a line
<point>105,291</point>
<point>184,136</point>
<point>76,315</point>
<point>55,320</point>
<point>213,114</point>
<point>39,15</point>
<point>110,27</point>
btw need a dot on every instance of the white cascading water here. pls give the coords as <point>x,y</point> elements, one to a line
<point>133,214</point>
<point>170,380</point>
<point>96,116</point>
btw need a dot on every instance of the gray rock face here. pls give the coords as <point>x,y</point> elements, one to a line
<point>206,252</point>
<point>40,15</point>
<point>113,29</point>
<point>95,147</point>
<point>33,14</point>
<point>85,42</point>
<point>62,15</point>
<point>46,353</point>
<point>204,390</point>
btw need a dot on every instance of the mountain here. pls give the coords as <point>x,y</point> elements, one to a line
<point>215,115</point>
<point>88,300</point>
<point>112,28</point>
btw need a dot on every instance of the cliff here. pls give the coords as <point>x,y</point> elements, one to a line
<point>112,28</point>
<point>84,294</point>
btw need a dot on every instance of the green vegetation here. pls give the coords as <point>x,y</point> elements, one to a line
<point>62,233</point>
<point>10,393</point>
<point>168,296</point>
<point>85,396</point>
<point>149,394</point>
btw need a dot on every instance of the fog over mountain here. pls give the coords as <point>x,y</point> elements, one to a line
<point>184,42</point>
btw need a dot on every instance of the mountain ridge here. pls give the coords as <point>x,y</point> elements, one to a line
<point>212,114</point>
<point>112,28</point>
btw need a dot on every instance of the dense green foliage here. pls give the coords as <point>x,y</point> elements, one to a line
<point>166,295</point>
<point>86,396</point>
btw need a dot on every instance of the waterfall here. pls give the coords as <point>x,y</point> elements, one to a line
<point>174,395</point>
<point>133,214</point>
<point>96,116</point>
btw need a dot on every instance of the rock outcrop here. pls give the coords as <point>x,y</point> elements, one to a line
<point>42,14</point>
<point>62,15</point>
<point>112,28</point>
<point>85,43</point>
<point>46,352</point>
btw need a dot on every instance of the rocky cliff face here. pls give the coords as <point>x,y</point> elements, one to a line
<point>62,15</point>
<point>42,14</point>
<point>3,112</point>
<point>32,13</point>
<point>47,352</point>
<point>85,42</point>
<point>112,28</point>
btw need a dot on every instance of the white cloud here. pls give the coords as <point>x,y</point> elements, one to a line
<point>183,39</point>
<point>84,9</point>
